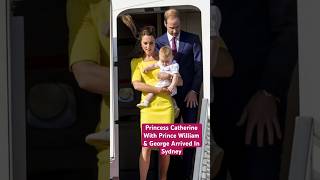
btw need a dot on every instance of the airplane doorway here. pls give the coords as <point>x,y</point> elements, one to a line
<point>128,113</point>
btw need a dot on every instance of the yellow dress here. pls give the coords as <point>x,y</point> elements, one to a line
<point>89,41</point>
<point>160,109</point>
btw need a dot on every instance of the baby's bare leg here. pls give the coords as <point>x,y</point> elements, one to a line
<point>146,101</point>
<point>149,97</point>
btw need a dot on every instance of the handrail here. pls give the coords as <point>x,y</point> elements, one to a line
<point>300,155</point>
<point>200,152</point>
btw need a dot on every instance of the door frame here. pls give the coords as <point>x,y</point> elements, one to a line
<point>12,96</point>
<point>5,138</point>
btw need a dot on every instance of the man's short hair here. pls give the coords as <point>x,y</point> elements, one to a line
<point>171,13</point>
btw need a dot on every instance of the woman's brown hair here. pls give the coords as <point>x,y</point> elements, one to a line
<point>145,31</point>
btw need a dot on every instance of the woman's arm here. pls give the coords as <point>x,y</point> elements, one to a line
<point>167,76</point>
<point>140,86</point>
<point>150,67</point>
<point>92,77</point>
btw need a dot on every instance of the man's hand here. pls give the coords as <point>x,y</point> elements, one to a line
<point>261,113</point>
<point>164,76</point>
<point>191,99</point>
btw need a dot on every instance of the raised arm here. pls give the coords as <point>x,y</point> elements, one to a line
<point>150,67</point>
<point>137,80</point>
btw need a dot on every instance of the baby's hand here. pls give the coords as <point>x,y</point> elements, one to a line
<point>145,70</point>
<point>170,88</point>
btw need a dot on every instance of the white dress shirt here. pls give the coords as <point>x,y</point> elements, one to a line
<point>170,38</point>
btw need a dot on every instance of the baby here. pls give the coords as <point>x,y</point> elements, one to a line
<point>167,65</point>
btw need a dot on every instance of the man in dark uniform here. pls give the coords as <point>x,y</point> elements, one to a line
<point>249,107</point>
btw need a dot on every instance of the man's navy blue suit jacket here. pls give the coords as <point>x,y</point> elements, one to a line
<point>189,57</point>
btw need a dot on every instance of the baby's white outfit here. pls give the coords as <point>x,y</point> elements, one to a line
<point>173,68</point>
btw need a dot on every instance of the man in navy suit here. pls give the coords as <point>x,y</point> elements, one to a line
<point>187,51</point>
<point>249,107</point>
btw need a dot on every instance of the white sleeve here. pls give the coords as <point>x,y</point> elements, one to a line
<point>174,68</point>
<point>215,21</point>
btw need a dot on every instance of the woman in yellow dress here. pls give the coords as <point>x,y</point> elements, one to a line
<point>88,22</point>
<point>160,110</point>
